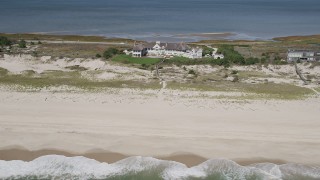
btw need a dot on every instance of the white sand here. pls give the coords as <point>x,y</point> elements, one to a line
<point>150,124</point>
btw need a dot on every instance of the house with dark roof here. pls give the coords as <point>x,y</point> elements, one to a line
<point>159,49</point>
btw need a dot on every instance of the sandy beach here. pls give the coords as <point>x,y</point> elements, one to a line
<point>167,124</point>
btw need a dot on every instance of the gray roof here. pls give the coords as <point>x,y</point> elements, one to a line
<point>167,46</point>
<point>300,50</point>
<point>138,47</point>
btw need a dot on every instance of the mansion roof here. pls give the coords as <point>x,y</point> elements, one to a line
<point>165,46</point>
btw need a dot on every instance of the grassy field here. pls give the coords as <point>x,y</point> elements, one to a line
<point>134,60</point>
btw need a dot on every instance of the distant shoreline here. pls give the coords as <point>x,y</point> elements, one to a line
<point>185,37</point>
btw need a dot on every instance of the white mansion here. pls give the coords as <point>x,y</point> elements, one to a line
<point>303,55</point>
<point>158,49</point>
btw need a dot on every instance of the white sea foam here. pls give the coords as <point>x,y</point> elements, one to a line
<point>61,167</point>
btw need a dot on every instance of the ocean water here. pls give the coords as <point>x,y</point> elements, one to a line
<point>140,168</point>
<point>145,19</point>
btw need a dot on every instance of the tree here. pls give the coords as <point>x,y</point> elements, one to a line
<point>110,52</point>
<point>231,55</point>
<point>107,55</point>
<point>22,44</point>
<point>206,51</point>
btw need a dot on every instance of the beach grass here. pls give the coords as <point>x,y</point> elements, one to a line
<point>264,91</point>
<point>75,79</point>
<point>3,71</point>
<point>248,74</point>
<point>126,59</point>
<point>71,78</point>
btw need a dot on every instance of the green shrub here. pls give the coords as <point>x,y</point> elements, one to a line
<point>110,52</point>
<point>206,51</point>
<point>22,44</point>
<point>4,41</point>
<point>77,68</point>
<point>234,72</point>
<point>230,55</point>
<point>191,71</point>
<point>251,61</point>
<point>126,59</point>
<point>98,56</point>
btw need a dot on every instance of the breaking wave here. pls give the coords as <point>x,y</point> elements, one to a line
<point>61,167</point>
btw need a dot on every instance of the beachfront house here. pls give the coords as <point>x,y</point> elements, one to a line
<point>159,49</point>
<point>138,50</point>
<point>303,55</point>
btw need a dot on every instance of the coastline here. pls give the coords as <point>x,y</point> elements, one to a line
<point>190,160</point>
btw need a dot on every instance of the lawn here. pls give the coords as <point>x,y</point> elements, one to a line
<point>134,60</point>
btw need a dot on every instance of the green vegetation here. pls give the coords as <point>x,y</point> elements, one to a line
<point>263,91</point>
<point>110,52</point>
<point>191,71</point>
<point>98,56</point>
<point>77,68</point>
<point>72,50</point>
<point>3,72</point>
<point>4,41</point>
<point>72,79</point>
<point>251,61</point>
<point>230,55</point>
<point>179,61</point>
<point>126,59</point>
<point>206,51</point>
<point>22,44</point>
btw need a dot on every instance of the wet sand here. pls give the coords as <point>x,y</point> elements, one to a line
<point>111,157</point>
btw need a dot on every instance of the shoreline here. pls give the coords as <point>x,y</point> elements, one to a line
<point>190,160</point>
<point>169,37</point>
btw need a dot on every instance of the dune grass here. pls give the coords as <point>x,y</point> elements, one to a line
<point>135,60</point>
<point>265,91</point>
<point>73,78</point>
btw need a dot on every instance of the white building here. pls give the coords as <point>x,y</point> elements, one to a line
<point>303,55</point>
<point>158,49</point>
<point>218,56</point>
<point>215,53</point>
